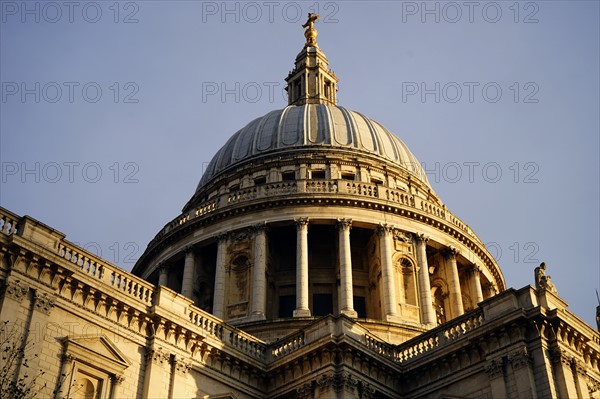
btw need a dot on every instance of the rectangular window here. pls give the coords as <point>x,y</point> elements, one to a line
<point>317,174</point>
<point>260,180</point>
<point>348,176</point>
<point>288,176</point>
<point>376,181</point>
<point>287,304</point>
<point>322,304</point>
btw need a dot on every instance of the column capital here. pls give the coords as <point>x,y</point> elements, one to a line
<point>421,238</point>
<point>475,268</point>
<point>385,228</point>
<point>188,249</point>
<point>17,290</point>
<point>494,368</point>
<point>450,252</point>
<point>259,227</point>
<point>344,223</point>
<point>117,378</point>
<point>301,222</point>
<point>520,358</point>
<point>162,266</point>
<point>222,237</point>
<point>44,302</point>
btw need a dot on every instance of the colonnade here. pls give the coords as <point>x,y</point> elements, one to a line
<point>389,307</point>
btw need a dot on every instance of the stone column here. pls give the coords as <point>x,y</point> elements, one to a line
<point>189,266</point>
<point>428,316</point>
<point>476,285</point>
<point>345,255</point>
<point>163,275</point>
<point>219,291</point>
<point>302,309</point>
<point>259,275</point>
<point>387,271</point>
<point>456,303</point>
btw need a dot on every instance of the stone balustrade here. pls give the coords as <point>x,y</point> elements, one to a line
<point>321,186</point>
<point>438,337</point>
<point>8,222</point>
<point>288,345</point>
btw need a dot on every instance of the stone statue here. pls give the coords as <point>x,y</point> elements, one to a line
<point>539,275</point>
<point>542,281</point>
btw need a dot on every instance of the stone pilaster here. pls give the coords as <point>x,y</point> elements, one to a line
<point>157,373</point>
<point>495,372</point>
<point>565,380</point>
<point>521,361</point>
<point>425,299</point>
<point>302,309</point>
<point>346,292</point>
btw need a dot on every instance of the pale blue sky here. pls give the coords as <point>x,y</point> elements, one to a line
<point>541,133</point>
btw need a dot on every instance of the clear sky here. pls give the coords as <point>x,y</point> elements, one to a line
<point>111,110</point>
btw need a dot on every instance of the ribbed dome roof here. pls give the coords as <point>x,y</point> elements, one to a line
<point>310,126</point>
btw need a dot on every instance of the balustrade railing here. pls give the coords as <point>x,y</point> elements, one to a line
<point>8,222</point>
<point>106,273</point>
<point>438,337</point>
<point>288,345</point>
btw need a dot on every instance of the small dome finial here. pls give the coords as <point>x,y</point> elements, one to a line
<point>311,33</point>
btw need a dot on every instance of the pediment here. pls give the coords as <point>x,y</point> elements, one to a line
<point>97,350</point>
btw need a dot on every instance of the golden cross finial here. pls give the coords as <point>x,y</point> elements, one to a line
<point>311,33</point>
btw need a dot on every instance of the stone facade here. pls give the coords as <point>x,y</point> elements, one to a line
<point>100,329</point>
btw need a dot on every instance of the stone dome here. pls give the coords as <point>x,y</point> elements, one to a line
<point>312,126</point>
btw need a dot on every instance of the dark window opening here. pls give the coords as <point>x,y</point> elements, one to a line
<point>260,180</point>
<point>322,304</point>
<point>234,187</point>
<point>287,304</point>
<point>348,176</point>
<point>376,181</point>
<point>288,176</point>
<point>317,174</point>
<point>360,306</point>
